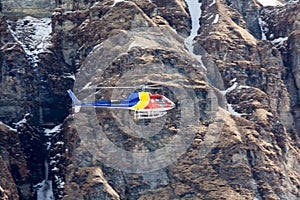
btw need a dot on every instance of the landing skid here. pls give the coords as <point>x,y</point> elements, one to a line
<point>148,114</point>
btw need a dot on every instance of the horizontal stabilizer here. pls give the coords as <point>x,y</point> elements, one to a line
<point>77,108</point>
<point>76,103</point>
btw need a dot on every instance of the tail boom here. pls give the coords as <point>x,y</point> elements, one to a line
<point>123,104</point>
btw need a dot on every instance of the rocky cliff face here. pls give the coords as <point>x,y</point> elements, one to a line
<point>232,72</point>
<point>18,80</point>
<point>27,7</point>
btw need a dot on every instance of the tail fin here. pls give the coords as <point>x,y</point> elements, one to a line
<point>76,102</point>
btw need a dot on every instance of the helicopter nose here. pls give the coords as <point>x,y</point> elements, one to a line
<point>172,105</point>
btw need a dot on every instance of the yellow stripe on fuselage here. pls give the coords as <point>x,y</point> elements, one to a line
<point>144,100</point>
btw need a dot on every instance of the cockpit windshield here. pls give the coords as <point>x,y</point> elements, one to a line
<point>168,100</point>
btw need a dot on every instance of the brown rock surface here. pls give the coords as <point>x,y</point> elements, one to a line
<point>14,173</point>
<point>240,123</point>
<point>281,21</point>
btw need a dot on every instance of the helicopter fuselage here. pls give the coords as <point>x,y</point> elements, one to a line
<point>139,101</point>
<point>143,103</point>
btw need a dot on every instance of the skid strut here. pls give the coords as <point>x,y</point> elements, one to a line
<point>148,114</point>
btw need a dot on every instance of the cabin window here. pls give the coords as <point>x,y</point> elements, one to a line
<point>159,99</point>
<point>162,105</point>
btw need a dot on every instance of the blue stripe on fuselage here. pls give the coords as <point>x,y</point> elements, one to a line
<point>132,100</point>
<point>110,104</point>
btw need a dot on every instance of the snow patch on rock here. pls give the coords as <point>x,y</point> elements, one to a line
<point>270,3</point>
<point>195,12</point>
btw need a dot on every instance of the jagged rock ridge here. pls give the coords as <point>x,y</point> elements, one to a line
<point>252,89</point>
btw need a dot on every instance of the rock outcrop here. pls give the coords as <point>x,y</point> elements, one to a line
<point>280,21</point>
<point>292,62</point>
<point>14,171</point>
<point>22,8</point>
<point>18,79</point>
<point>282,28</point>
<point>234,133</point>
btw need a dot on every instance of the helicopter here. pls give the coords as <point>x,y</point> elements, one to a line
<point>144,104</point>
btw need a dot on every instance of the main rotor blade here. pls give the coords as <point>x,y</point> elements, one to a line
<point>130,87</point>
<point>152,87</point>
<point>112,87</point>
